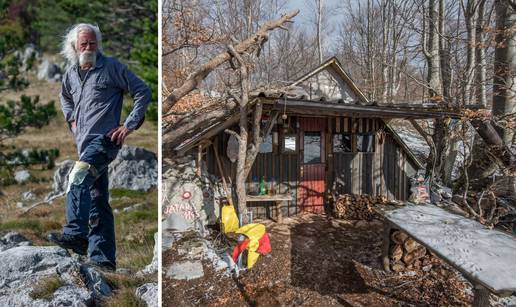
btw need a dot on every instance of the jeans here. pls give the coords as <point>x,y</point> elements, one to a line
<point>88,213</point>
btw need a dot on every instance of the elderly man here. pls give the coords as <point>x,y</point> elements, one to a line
<point>91,98</point>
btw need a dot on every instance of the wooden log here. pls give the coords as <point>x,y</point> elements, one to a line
<point>411,257</point>
<point>398,267</point>
<point>420,252</point>
<point>396,252</point>
<point>399,237</point>
<point>410,245</point>
<point>417,264</point>
<point>408,258</point>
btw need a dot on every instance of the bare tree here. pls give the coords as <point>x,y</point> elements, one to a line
<point>251,44</point>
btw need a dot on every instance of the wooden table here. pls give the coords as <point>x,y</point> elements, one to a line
<point>487,258</point>
<point>278,199</point>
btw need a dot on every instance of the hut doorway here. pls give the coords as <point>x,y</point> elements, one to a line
<point>312,164</point>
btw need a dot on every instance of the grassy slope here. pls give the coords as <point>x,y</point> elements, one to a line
<point>134,229</point>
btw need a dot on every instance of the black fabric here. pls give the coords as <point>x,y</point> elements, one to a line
<point>82,73</point>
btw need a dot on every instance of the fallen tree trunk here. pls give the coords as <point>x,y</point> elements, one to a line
<point>249,45</point>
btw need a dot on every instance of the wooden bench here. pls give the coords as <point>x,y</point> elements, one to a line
<point>278,199</point>
<point>485,257</point>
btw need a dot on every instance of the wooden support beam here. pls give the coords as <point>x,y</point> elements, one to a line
<point>199,160</point>
<point>480,296</point>
<point>386,241</point>
<point>221,171</point>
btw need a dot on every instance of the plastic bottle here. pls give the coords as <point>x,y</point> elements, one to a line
<point>263,186</point>
<point>272,185</point>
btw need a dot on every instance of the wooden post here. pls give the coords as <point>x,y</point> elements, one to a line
<point>481,296</point>
<point>221,171</point>
<point>199,159</point>
<point>279,215</point>
<point>385,246</point>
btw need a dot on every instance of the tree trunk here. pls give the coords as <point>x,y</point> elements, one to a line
<point>433,57</point>
<point>242,137</point>
<point>487,159</point>
<point>481,57</point>
<point>470,15</point>
<point>319,22</point>
<point>435,92</point>
<point>504,85</point>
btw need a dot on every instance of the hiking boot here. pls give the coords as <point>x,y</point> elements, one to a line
<point>102,266</point>
<point>76,244</point>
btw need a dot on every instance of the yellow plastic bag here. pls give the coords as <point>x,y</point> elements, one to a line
<point>229,219</point>
<point>254,232</point>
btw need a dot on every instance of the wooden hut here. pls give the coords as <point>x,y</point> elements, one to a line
<point>326,138</point>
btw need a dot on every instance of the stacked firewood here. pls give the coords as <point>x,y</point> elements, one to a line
<point>357,207</point>
<point>405,253</point>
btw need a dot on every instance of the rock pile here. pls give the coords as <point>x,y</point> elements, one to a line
<point>45,276</point>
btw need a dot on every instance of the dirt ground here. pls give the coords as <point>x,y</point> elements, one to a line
<point>319,261</point>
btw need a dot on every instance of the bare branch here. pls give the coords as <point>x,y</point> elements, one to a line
<point>249,45</point>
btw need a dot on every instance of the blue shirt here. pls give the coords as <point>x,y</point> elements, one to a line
<point>95,103</point>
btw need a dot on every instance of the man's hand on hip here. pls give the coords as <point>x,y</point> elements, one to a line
<point>119,134</point>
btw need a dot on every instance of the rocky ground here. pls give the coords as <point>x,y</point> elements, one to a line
<point>39,274</point>
<point>316,261</point>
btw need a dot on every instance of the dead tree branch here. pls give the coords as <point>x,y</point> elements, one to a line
<point>249,45</point>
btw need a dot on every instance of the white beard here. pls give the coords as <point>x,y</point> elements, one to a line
<point>87,58</point>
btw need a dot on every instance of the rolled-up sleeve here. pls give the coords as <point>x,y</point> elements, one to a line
<point>140,93</point>
<point>66,99</point>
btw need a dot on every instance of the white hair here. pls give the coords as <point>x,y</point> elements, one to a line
<point>68,49</point>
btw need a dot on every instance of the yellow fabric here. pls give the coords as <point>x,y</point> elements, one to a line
<point>229,219</point>
<point>254,232</point>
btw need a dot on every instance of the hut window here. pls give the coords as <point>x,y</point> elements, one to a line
<point>342,143</point>
<point>289,143</point>
<point>266,145</point>
<point>312,147</point>
<point>365,142</point>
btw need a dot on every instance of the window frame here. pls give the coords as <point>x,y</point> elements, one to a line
<point>373,144</point>
<point>283,138</point>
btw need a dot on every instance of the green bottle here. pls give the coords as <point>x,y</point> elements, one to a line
<point>263,186</point>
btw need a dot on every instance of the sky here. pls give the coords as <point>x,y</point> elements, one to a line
<point>307,15</point>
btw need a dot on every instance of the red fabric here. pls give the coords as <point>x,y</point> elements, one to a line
<point>239,248</point>
<point>265,245</point>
